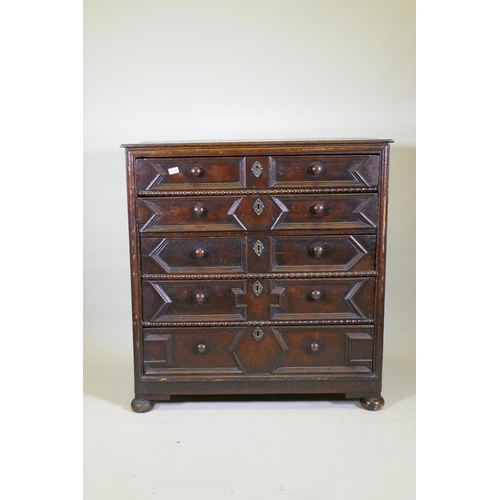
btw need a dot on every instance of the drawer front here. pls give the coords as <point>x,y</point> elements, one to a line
<point>328,349</point>
<point>208,254</point>
<point>156,174</point>
<point>341,211</point>
<point>257,213</point>
<point>322,253</point>
<point>258,350</point>
<point>189,351</point>
<point>193,300</point>
<point>325,171</point>
<point>350,298</point>
<point>188,214</point>
<point>193,254</point>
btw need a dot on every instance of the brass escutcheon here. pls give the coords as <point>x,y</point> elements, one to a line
<point>258,206</point>
<point>257,288</point>
<point>257,169</point>
<point>258,333</point>
<point>258,247</point>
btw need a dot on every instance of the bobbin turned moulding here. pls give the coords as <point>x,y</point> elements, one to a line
<point>258,268</point>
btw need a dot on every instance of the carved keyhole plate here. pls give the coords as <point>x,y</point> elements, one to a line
<point>257,169</point>
<point>257,288</point>
<point>258,333</point>
<point>258,247</point>
<point>258,206</point>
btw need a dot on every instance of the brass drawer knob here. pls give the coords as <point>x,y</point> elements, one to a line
<point>316,169</point>
<point>318,209</point>
<point>317,250</point>
<point>200,297</point>
<point>198,210</point>
<point>199,252</point>
<point>316,295</point>
<point>196,171</point>
<point>201,348</point>
<point>314,347</point>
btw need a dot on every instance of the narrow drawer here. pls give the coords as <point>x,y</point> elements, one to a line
<point>156,174</point>
<point>350,298</point>
<point>339,211</point>
<point>189,351</point>
<point>193,254</point>
<point>325,171</point>
<point>193,300</point>
<point>322,253</point>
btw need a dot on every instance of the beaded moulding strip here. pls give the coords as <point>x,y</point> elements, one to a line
<point>271,191</point>
<point>339,274</point>
<point>262,323</point>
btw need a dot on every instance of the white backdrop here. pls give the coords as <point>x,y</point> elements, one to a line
<point>242,70</point>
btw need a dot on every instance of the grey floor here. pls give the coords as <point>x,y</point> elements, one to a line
<point>274,449</point>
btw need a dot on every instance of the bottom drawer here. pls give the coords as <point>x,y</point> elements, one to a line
<point>258,350</point>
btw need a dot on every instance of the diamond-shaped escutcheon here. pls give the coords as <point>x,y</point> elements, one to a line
<point>258,212</point>
<point>258,354</point>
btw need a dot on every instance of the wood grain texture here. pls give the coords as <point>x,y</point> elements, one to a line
<point>342,211</point>
<point>179,255</point>
<point>180,173</point>
<point>258,267</point>
<point>322,253</point>
<point>325,171</point>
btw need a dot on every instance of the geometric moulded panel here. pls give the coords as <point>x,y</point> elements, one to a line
<point>192,351</point>
<point>359,349</point>
<point>193,300</point>
<point>326,349</point>
<point>193,254</point>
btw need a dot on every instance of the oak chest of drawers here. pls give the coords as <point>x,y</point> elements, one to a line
<point>258,268</point>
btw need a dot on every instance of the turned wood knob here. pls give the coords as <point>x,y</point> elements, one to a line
<point>316,169</point>
<point>196,171</point>
<point>316,295</point>
<point>201,348</point>
<point>199,253</point>
<point>200,297</point>
<point>314,347</point>
<point>319,208</point>
<point>317,250</point>
<point>198,210</point>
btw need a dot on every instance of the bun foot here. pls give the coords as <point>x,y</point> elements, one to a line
<point>372,404</point>
<point>142,405</point>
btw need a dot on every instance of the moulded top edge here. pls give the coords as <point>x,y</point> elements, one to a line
<point>266,143</point>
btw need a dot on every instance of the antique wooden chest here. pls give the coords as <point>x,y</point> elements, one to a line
<point>258,268</point>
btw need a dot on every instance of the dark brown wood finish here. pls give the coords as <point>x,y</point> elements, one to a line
<point>322,253</point>
<point>258,212</point>
<point>193,254</point>
<point>328,170</point>
<point>158,174</point>
<point>258,268</point>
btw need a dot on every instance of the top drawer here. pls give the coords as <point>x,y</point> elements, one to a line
<point>156,174</point>
<point>324,171</point>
